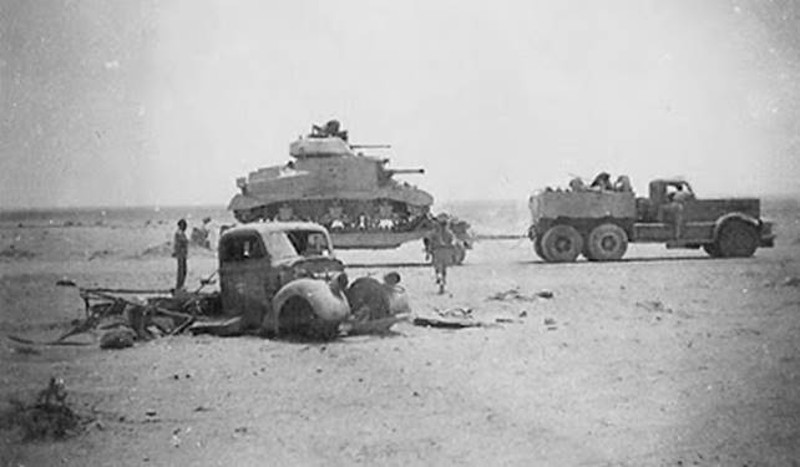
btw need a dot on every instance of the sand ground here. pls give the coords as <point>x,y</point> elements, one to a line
<point>667,358</point>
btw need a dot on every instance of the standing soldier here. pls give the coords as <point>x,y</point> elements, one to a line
<point>180,252</point>
<point>441,246</point>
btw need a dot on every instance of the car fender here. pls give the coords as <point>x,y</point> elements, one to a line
<point>738,216</point>
<point>326,299</point>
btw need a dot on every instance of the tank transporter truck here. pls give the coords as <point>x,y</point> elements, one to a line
<point>599,223</point>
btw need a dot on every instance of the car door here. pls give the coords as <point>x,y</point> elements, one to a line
<point>244,270</point>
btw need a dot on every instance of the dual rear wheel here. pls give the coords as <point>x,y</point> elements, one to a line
<point>563,243</point>
<point>606,242</point>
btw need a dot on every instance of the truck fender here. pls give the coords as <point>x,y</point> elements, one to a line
<point>738,216</point>
<point>327,299</point>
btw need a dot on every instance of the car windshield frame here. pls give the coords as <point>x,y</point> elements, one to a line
<point>291,244</point>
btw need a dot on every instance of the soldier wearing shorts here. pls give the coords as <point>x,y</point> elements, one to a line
<point>442,248</point>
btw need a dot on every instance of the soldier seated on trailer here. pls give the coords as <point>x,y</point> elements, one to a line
<point>602,181</point>
<point>577,185</point>
<point>623,184</point>
<point>363,221</point>
<point>335,218</point>
<point>386,217</point>
<point>285,213</point>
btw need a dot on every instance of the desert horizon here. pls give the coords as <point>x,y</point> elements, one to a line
<point>613,331</point>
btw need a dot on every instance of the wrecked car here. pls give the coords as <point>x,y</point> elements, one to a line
<point>284,278</point>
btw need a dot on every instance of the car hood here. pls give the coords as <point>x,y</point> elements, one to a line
<point>314,265</point>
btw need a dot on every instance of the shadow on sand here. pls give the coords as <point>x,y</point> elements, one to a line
<point>651,259</point>
<point>388,265</point>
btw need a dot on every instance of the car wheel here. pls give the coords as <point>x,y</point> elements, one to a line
<point>607,242</point>
<point>561,244</point>
<point>297,319</point>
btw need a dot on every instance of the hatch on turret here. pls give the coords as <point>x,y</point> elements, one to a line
<point>323,141</point>
<point>331,146</point>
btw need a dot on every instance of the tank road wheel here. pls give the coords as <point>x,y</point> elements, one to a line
<point>606,242</point>
<point>561,244</point>
<point>737,239</point>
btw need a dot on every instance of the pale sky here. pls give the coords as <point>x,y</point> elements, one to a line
<point>148,102</point>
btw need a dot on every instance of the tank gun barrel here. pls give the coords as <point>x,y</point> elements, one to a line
<point>371,146</point>
<point>405,171</point>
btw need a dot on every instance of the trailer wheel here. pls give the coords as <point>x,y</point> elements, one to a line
<point>561,244</point>
<point>607,242</point>
<point>737,239</point>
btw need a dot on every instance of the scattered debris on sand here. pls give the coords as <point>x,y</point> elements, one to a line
<point>791,281</point>
<point>122,320</point>
<point>515,294</point>
<point>120,338</point>
<point>654,306</point>
<point>99,254</point>
<point>452,318</point>
<point>49,417</point>
<point>14,253</point>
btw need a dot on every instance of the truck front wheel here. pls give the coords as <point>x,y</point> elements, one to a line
<point>737,239</point>
<point>606,242</point>
<point>561,244</point>
<point>537,247</point>
<point>712,249</point>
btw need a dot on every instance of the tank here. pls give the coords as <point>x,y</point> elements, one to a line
<point>333,183</point>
